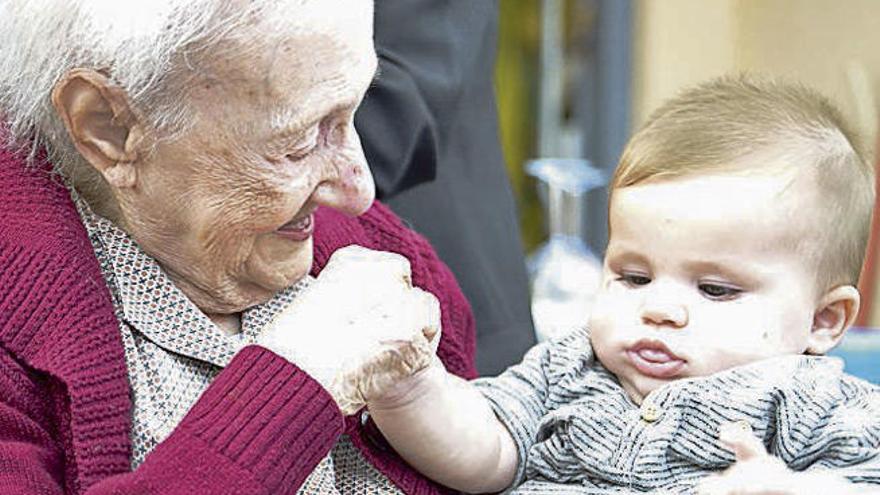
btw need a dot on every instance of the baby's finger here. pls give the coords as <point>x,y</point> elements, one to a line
<point>741,440</point>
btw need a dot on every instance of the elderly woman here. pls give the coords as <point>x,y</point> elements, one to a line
<point>206,162</point>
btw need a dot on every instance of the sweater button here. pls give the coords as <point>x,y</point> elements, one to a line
<point>650,412</point>
<point>744,426</point>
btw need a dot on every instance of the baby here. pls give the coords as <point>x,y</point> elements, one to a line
<point>738,218</point>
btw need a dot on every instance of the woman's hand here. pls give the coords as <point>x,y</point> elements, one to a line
<point>758,473</point>
<point>359,327</point>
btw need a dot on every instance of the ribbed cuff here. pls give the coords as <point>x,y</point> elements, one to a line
<point>267,416</point>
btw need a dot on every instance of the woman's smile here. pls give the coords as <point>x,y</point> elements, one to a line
<point>300,228</point>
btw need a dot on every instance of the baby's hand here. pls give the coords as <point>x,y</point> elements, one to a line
<point>758,473</point>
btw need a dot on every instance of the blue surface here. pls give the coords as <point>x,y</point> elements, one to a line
<point>861,351</point>
<point>862,364</point>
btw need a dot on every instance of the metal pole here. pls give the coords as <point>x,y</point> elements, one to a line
<point>551,81</point>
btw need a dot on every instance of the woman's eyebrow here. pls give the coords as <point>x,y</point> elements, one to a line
<point>286,120</point>
<point>290,120</point>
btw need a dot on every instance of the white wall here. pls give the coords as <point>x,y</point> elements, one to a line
<point>832,45</point>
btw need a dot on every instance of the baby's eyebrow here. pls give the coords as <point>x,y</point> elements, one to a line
<point>624,255</point>
<point>709,266</point>
<point>738,270</point>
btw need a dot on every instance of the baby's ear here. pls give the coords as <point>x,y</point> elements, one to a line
<point>834,314</point>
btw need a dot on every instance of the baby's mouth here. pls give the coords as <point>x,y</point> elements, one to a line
<point>654,359</point>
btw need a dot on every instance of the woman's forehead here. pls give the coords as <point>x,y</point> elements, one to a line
<point>287,78</point>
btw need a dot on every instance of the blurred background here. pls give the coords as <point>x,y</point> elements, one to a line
<point>574,78</point>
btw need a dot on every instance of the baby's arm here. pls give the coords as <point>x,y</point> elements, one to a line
<point>473,436</point>
<point>445,428</point>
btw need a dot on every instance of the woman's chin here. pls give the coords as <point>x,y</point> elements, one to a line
<point>238,297</point>
<point>265,272</point>
<point>275,273</point>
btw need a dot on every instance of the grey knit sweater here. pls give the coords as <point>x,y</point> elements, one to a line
<point>578,432</point>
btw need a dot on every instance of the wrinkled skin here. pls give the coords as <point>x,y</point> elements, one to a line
<point>273,139</point>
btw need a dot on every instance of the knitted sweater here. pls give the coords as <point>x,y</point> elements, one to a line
<point>260,428</point>
<point>578,432</point>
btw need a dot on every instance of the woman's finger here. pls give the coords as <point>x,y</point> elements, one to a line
<point>429,314</point>
<point>377,266</point>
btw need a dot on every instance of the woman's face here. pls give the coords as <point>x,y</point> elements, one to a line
<point>226,206</point>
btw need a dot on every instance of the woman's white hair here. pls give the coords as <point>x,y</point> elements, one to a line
<point>142,46</point>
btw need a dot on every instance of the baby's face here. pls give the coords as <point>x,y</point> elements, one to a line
<point>700,276</point>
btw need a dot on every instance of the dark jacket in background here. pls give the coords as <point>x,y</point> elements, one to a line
<point>430,132</point>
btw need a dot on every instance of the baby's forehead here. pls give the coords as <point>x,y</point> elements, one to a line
<point>780,208</point>
<point>781,187</point>
<point>786,177</point>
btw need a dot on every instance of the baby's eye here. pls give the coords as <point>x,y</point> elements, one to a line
<point>719,292</point>
<point>634,279</point>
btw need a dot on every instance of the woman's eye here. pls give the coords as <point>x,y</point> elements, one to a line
<point>300,153</point>
<point>634,279</point>
<point>718,291</point>
<point>305,146</point>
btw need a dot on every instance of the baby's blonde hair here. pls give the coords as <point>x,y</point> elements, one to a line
<point>728,124</point>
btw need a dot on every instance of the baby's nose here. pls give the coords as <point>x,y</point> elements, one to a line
<point>665,314</point>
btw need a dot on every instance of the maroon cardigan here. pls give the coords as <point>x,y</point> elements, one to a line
<point>65,402</point>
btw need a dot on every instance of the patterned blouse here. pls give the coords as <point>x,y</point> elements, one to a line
<point>577,431</point>
<point>173,351</point>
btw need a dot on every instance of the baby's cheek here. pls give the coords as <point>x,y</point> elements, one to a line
<point>613,307</point>
<point>599,313</point>
<point>735,349</point>
<point>605,324</point>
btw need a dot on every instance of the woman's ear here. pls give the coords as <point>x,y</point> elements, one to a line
<point>834,314</point>
<point>101,124</point>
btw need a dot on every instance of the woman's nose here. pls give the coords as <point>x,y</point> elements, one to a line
<point>663,312</point>
<point>346,184</point>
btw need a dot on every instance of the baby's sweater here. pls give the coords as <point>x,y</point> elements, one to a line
<point>577,431</point>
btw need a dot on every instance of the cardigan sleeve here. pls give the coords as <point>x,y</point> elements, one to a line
<point>30,461</point>
<point>260,428</point>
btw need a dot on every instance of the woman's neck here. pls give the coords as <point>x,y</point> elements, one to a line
<point>229,324</point>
